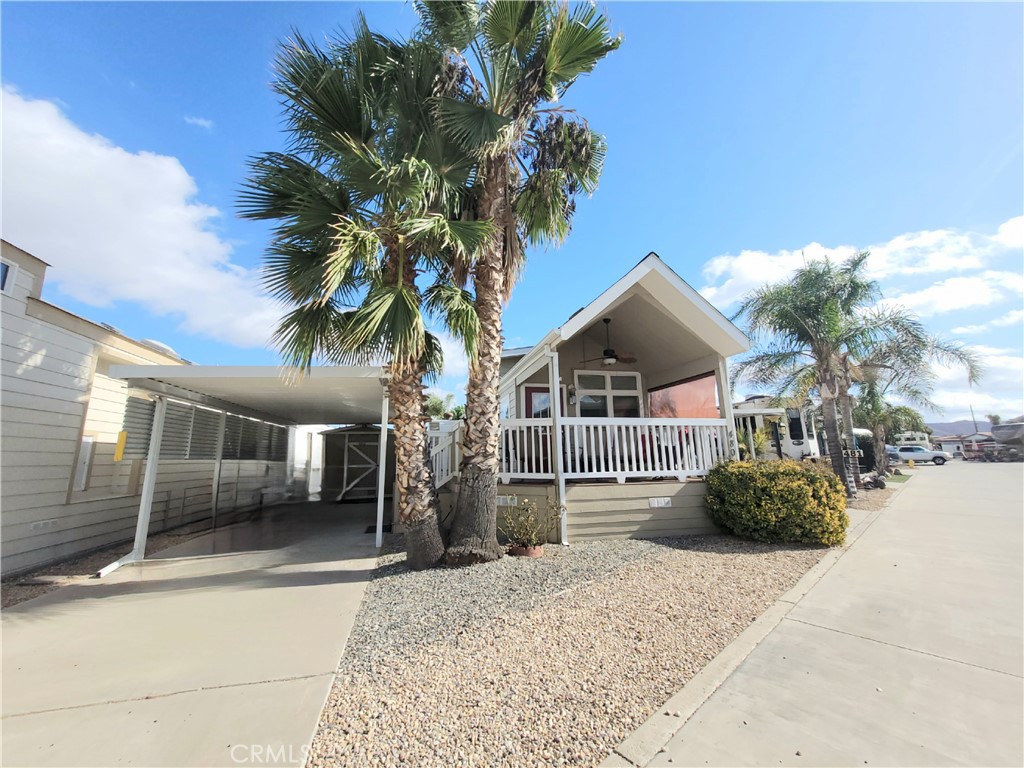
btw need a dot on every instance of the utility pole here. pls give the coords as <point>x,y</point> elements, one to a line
<point>974,420</point>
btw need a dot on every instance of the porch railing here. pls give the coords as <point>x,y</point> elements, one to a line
<point>443,438</point>
<point>613,448</point>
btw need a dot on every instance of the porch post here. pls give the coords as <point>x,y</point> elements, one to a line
<point>725,406</point>
<point>382,460</point>
<point>218,463</point>
<point>149,480</point>
<point>556,426</point>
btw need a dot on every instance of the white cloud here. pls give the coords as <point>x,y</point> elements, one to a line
<point>954,293</point>
<point>123,226</point>
<point>1013,317</point>
<point>200,122</point>
<point>925,253</point>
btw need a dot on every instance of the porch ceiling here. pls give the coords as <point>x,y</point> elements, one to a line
<point>640,328</point>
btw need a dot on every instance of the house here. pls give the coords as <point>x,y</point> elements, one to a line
<point>642,410</point>
<point>75,435</point>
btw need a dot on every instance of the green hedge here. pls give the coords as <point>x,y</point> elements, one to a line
<point>779,501</point>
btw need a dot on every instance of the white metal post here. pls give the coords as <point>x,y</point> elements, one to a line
<point>725,407</point>
<point>218,463</point>
<point>556,426</point>
<point>149,480</point>
<point>382,460</point>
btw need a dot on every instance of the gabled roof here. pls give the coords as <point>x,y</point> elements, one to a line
<point>659,286</point>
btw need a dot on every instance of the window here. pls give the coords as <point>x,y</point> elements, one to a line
<point>693,398</point>
<point>606,395</point>
<point>7,273</point>
<point>796,428</point>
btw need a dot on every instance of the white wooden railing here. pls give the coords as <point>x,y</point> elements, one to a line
<point>613,448</point>
<point>444,450</point>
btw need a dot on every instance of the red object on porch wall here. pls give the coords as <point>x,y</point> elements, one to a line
<point>693,398</point>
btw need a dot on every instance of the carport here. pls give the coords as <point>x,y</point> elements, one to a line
<point>323,395</point>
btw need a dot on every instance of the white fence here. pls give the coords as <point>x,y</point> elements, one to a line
<point>613,448</point>
<point>443,437</point>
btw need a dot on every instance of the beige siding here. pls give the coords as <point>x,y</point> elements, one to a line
<point>55,389</point>
<point>623,510</point>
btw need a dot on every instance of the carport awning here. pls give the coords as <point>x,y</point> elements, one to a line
<point>326,395</point>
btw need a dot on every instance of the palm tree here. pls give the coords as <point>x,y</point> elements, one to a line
<point>994,419</point>
<point>514,61</point>
<point>438,407</point>
<point>822,335</point>
<point>364,202</point>
<point>806,328</point>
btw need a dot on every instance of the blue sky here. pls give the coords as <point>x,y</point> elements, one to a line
<point>740,136</point>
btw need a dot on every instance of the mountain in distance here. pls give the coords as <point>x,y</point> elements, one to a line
<point>965,426</point>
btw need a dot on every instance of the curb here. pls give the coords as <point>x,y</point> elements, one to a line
<point>646,742</point>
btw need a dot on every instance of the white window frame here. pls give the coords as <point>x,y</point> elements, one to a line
<point>608,393</point>
<point>12,276</point>
<point>83,463</point>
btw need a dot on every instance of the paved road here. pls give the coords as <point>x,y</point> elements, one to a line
<point>907,652</point>
<point>221,657</point>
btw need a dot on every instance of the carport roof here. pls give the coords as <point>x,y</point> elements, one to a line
<point>324,395</point>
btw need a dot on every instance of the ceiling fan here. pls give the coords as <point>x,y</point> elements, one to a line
<point>609,356</point>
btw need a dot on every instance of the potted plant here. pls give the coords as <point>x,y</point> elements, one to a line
<point>526,531</point>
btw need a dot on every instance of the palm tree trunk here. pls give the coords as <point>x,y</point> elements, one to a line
<point>835,447</point>
<point>417,502</point>
<point>846,406</point>
<point>474,533</point>
<point>881,456</point>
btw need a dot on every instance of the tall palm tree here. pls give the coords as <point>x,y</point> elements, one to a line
<point>366,204</point>
<point>806,328</point>
<point>514,60</point>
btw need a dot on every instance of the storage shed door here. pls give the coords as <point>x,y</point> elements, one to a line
<point>360,474</point>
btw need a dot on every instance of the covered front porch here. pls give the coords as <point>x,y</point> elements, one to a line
<point>643,388</point>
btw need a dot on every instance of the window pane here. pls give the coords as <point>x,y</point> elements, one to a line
<point>626,406</point>
<point>592,381</point>
<point>689,399</point>
<point>4,271</point>
<point>540,405</point>
<point>625,383</point>
<point>593,406</point>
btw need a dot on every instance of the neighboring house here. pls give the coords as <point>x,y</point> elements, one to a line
<point>643,406</point>
<point>74,438</point>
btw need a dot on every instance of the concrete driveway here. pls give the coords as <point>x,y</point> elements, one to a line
<point>908,651</point>
<point>218,652</point>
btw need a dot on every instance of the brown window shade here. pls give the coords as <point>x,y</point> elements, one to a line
<point>693,398</point>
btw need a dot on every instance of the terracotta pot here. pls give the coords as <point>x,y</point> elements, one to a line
<point>517,551</point>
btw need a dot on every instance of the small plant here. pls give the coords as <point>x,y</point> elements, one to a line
<point>779,502</point>
<point>524,527</point>
<point>760,438</point>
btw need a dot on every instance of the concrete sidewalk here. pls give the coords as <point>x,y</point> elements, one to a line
<point>218,652</point>
<point>907,651</point>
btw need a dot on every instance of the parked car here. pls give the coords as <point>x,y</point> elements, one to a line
<point>893,454</point>
<point>920,453</point>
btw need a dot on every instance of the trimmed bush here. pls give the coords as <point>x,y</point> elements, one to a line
<point>783,502</point>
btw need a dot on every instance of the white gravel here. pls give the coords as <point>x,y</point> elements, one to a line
<point>542,662</point>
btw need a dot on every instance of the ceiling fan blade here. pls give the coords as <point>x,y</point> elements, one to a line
<point>626,359</point>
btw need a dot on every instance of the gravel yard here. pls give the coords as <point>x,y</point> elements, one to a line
<point>539,662</point>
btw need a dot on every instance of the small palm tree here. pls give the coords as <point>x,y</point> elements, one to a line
<point>994,419</point>
<point>820,333</point>
<point>366,206</point>
<point>805,328</point>
<point>515,61</point>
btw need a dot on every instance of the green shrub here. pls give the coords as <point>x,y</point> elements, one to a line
<point>778,501</point>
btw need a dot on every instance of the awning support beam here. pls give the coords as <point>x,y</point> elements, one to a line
<point>382,460</point>
<point>156,435</point>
